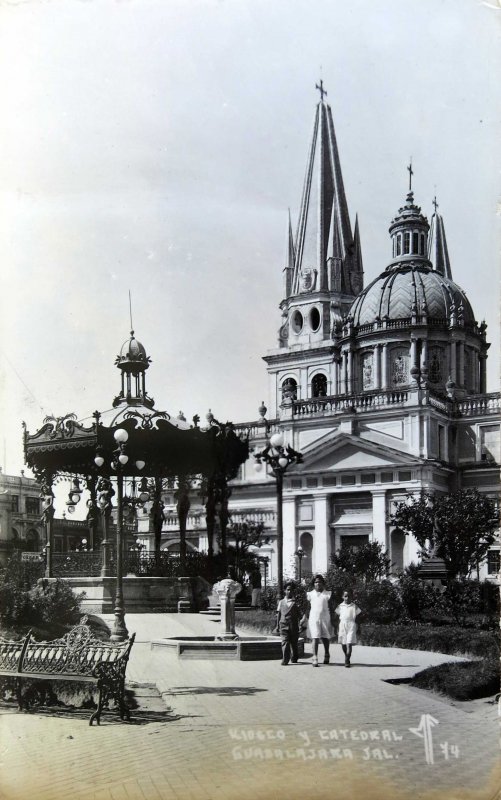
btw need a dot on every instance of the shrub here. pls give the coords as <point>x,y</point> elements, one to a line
<point>444,639</point>
<point>459,599</point>
<point>368,562</point>
<point>14,604</point>
<point>54,600</point>
<point>339,581</point>
<point>379,601</point>
<point>415,595</point>
<point>270,597</point>
<point>463,680</point>
<point>25,602</point>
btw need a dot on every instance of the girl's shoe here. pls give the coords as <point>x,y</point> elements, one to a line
<point>314,661</point>
<point>327,659</point>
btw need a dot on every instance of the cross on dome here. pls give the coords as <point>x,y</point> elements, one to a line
<point>411,173</point>
<point>321,90</point>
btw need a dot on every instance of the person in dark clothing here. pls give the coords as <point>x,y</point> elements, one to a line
<point>288,621</point>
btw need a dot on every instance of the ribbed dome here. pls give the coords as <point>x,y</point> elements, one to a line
<point>408,291</point>
<point>133,350</point>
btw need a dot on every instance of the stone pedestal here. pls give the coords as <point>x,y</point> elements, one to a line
<point>227,590</point>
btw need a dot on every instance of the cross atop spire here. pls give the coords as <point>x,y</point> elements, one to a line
<point>411,173</point>
<point>321,89</point>
<point>435,204</point>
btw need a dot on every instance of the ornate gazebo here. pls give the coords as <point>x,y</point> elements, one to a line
<point>129,445</point>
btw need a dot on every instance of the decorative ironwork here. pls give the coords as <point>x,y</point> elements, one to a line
<point>61,427</point>
<point>77,654</point>
<point>147,419</point>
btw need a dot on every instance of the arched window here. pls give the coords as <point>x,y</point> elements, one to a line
<point>399,244</point>
<point>319,385</point>
<point>289,389</point>
<point>422,241</point>
<point>415,242</point>
<point>407,242</point>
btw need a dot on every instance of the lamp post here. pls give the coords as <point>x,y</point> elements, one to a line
<point>265,560</point>
<point>279,458</point>
<point>300,555</point>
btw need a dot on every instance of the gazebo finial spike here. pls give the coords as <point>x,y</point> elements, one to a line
<point>130,315</point>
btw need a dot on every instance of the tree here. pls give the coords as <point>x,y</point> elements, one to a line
<point>241,536</point>
<point>458,527</point>
<point>369,561</point>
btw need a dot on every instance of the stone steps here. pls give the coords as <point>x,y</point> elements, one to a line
<point>211,610</point>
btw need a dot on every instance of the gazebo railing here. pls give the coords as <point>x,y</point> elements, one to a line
<point>77,564</point>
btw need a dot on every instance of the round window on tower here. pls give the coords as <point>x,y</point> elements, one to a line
<point>297,322</point>
<point>315,319</point>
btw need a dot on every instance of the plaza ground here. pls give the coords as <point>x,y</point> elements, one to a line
<point>208,729</point>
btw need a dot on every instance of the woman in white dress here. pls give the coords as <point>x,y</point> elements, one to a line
<point>347,631</point>
<point>319,619</point>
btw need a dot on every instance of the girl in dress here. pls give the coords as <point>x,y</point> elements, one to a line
<point>347,631</point>
<point>319,618</point>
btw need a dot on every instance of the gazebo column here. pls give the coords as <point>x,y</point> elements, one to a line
<point>120,632</point>
<point>48,516</point>
<point>105,493</point>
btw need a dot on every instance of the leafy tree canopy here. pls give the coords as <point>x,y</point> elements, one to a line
<point>458,527</point>
<point>369,562</point>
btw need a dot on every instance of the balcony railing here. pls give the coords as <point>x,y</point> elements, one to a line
<point>483,404</point>
<point>339,405</point>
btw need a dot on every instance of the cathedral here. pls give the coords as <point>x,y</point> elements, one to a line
<point>381,388</point>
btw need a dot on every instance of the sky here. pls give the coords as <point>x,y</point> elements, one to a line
<point>156,146</point>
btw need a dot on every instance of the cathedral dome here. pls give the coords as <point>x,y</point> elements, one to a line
<point>412,290</point>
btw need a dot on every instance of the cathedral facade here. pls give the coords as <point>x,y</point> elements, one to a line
<point>381,388</point>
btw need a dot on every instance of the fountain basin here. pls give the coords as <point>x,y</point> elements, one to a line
<point>245,648</point>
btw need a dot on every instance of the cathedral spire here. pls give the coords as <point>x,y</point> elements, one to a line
<point>438,252</point>
<point>289,257</point>
<point>324,228</point>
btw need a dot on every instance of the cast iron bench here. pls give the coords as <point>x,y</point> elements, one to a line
<point>77,656</point>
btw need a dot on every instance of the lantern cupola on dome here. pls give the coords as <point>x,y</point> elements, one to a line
<point>133,363</point>
<point>409,234</point>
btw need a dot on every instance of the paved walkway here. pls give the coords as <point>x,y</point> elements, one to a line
<point>242,730</point>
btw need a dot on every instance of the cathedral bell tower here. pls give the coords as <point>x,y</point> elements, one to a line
<point>323,274</point>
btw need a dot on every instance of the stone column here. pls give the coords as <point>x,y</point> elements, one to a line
<point>335,387</point>
<point>344,372</point>
<point>460,380</point>
<point>289,530</point>
<point>384,366</point>
<point>424,362</point>
<point>379,517</point>
<point>452,350</point>
<point>483,373</point>
<point>227,590</point>
<point>377,366</point>
<point>349,372</point>
<point>321,539</point>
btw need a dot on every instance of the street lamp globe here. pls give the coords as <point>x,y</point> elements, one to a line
<point>121,435</point>
<point>277,440</point>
